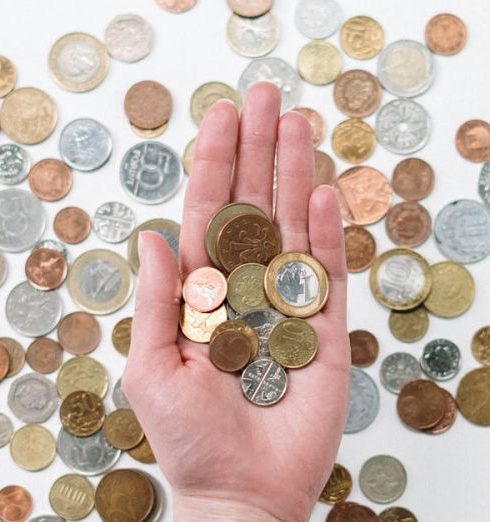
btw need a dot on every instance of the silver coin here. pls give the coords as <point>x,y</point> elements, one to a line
<point>4,270</point>
<point>230,312</point>
<point>47,518</point>
<point>440,359</point>
<point>462,231</point>
<point>262,320</point>
<point>22,220</point>
<point>277,71</point>
<point>318,18</point>
<point>6,429</point>
<point>85,144</point>
<point>33,398</point>
<point>264,382</point>
<point>297,284</point>
<point>363,401</point>
<point>151,172</point>
<point>14,164</point>
<point>158,508</point>
<point>397,369</point>
<point>383,479</point>
<point>484,183</point>
<point>118,397</point>
<point>53,244</point>
<point>406,68</point>
<point>128,38</point>
<point>33,312</point>
<point>402,126</point>
<point>252,37</point>
<point>91,455</point>
<point>113,222</point>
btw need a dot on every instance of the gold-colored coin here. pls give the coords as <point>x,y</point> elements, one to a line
<point>149,133</point>
<point>480,345</point>
<point>17,355</point>
<point>296,284</point>
<point>198,326</point>
<point>242,326</point>
<point>72,496</point>
<point>82,413</point>
<point>453,289</point>
<point>361,37</point>
<point>207,94</point>
<point>292,343</point>
<point>397,514</point>
<point>82,373</point>
<point>122,429</point>
<point>353,140</point>
<point>473,396</point>
<point>338,486</point>
<point>28,115</point>
<point>187,158</point>
<point>319,62</point>
<point>143,452</point>
<point>32,447</point>
<point>121,335</point>
<point>8,76</point>
<point>246,287</point>
<point>409,326</point>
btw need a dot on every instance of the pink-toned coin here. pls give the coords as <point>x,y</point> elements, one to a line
<point>205,289</point>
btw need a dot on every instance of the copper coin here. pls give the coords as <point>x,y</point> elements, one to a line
<point>408,224</point>
<point>82,413</point>
<point>122,429</point>
<point>473,140</point>
<point>46,268</point>
<point>351,512</point>
<point>44,355</point>
<point>205,289</point>
<point>397,514</point>
<point>121,335</point>
<point>364,348</point>
<point>449,416</point>
<point>357,93</point>
<point>15,504</point>
<point>50,179</point>
<point>250,8</point>
<point>79,333</point>
<point>360,248</point>
<point>143,452</point>
<point>413,179</point>
<point>4,361</point>
<point>421,404</point>
<point>230,350</point>
<point>16,355</point>
<point>317,123</point>
<point>364,195</point>
<point>176,6</point>
<point>445,34</point>
<point>72,225</point>
<point>148,104</point>
<point>324,169</point>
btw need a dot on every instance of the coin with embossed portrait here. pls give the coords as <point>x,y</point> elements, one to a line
<point>361,37</point>
<point>383,479</point>
<point>128,37</point>
<point>318,19</point>
<point>319,62</point>
<point>398,369</point>
<point>408,223</point>
<point>33,447</point>
<point>445,34</point>
<point>72,225</point>
<point>50,179</point>
<point>357,93</point>
<point>252,37</point>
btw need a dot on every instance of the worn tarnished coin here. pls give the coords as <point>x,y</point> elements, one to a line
<point>318,19</point>
<point>143,452</point>
<point>473,396</point>
<point>245,329</point>
<point>397,369</point>
<point>82,413</point>
<point>408,224</point>
<point>79,333</point>
<point>440,359</point>
<point>252,37</point>
<point>293,343</point>
<point>118,398</point>
<point>82,374</point>
<point>14,163</point>
<point>353,140</point>
<point>445,34</point>
<point>33,447</point>
<point>364,348</point>
<point>176,6</point>
<point>45,269</point>
<point>187,156</point>
<point>409,326</point>
<point>207,94</point>
<point>480,345</point>
<point>383,479</point>
<point>397,514</point>
<point>317,124</point>
<point>16,355</point>
<point>421,404</point>
<point>319,62</point>
<point>357,93</point>
<point>204,289</point>
<point>338,486</point>
<point>250,8</point>
<point>122,429</point>
<point>6,429</point>
<point>148,104</point>
<point>128,38</point>
<point>113,222</point>
<point>360,248</point>
<point>363,401</point>
<point>361,37</point>
<point>121,335</point>
<point>198,326</point>
<point>231,349</point>
<point>484,183</point>
<point>473,140</point>
<point>246,287</point>
<point>413,179</point>
<point>72,225</point>
<point>264,382</point>
<point>72,496</point>
<point>8,76</point>
<point>15,503</point>
<point>262,321</point>
<point>324,169</point>
<point>44,355</point>
<point>4,361</point>
<point>50,179</point>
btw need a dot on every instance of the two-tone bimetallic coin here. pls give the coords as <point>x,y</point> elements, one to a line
<point>113,222</point>
<point>33,398</point>
<point>397,369</point>
<point>363,401</point>
<point>14,164</point>
<point>264,382</point>
<point>440,359</point>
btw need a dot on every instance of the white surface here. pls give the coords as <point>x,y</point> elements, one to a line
<point>447,474</point>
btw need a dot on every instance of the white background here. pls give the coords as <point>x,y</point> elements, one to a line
<point>447,474</point>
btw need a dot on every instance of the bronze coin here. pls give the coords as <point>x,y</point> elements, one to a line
<point>317,123</point>
<point>230,350</point>
<point>338,486</point>
<point>44,355</point>
<point>148,104</point>
<point>408,224</point>
<point>360,248</point>
<point>15,504</point>
<point>4,361</point>
<point>121,335</point>
<point>122,429</point>
<point>357,93</point>
<point>421,404</point>
<point>351,512</point>
<point>397,514</point>
<point>79,333</point>
<point>324,169</point>
<point>50,179</point>
<point>473,396</point>
<point>143,452</point>
<point>413,179</point>
<point>72,225</point>
<point>473,140</point>
<point>449,416</point>
<point>16,355</point>
<point>445,34</point>
<point>480,345</point>
<point>46,268</point>
<point>364,348</point>
<point>82,413</point>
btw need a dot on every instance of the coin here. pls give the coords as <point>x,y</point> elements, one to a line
<point>82,374</point>
<point>207,94</point>
<point>353,140</point>
<point>3,269</point>
<point>483,183</point>
<point>397,514</point>
<point>72,225</point>
<point>373,479</point>
<point>398,369</point>
<point>46,269</point>
<point>78,62</point>
<point>480,345</point>
<point>473,396</point>
<point>296,284</point>
<point>473,140</point>
<point>252,37</point>
<point>50,179</point>
<point>364,348</point>
<point>409,326</point>
<point>318,19</point>
<point>121,335</point>
<point>6,429</point>
<point>148,134</point>
<point>128,38</point>
<point>118,397</point>
<point>264,382</point>
<point>79,333</point>
<point>246,287</point>
<point>243,327</point>
<point>363,401</point>
<point>421,404</point>
<point>449,417</point>
<point>72,496</point>
<point>293,343</point>
<point>364,195</point>
<point>15,503</point>
<point>324,169</point>
<point>44,355</point>
<point>357,93</point>
<point>262,321</point>
<point>361,37</point>
<point>32,447</point>
<point>440,359</point>
<point>100,281</point>
<point>143,452</point>
<point>198,326</point>
<point>360,248</point>
<point>204,289</point>
<point>46,518</point>
<point>445,34</point>
<point>8,76</point>
<point>338,486</point>
<point>408,224</point>
<point>351,511</point>
<point>148,104</point>
<point>176,6</point>
<point>113,222</point>
<point>16,355</point>
<point>4,361</point>
<point>317,124</point>
<point>250,8</point>
<point>14,163</point>
<point>28,115</point>
<point>187,157</point>
<point>122,429</point>
<point>82,413</point>
<point>413,179</point>
<point>231,349</point>
<point>319,62</point>
<point>53,244</point>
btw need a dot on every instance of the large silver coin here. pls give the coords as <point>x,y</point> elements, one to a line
<point>113,222</point>
<point>14,164</point>
<point>53,244</point>
<point>3,269</point>
<point>262,320</point>
<point>22,220</point>
<point>252,37</point>
<point>402,126</point>
<point>6,429</point>
<point>277,71</point>
<point>33,398</point>
<point>440,359</point>
<point>151,172</point>
<point>91,455</point>
<point>47,518</point>
<point>406,68</point>
<point>318,18</point>
<point>85,144</point>
<point>264,382</point>
<point>158,508</point>
<point>484,183</point>
<point>363,402</point>
<point>128,38</point>
<point>118,397</point>
<point>33,312</point>
<point>383,479</point>
<point>397,369</point>
<point>462,231</point>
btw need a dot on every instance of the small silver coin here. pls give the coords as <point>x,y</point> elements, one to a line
<point>118,397</point>
<point>383,479</point>
<point>262,320</point>
<point>128,38</point>
<point>462,231</point>
<point>484,183</point>
<point>440,359</point>
<point>4,270</point>
<point>53,244</point>
<point>113,222</point>
<point>151,172</point>
<point>6,429</point>
<point>47,518</point>
<point>264,382</point>
<point>158,508</point>
<point>277,71</point>
<point>91,455</point>
<point>397,369</point>
<point>252,37</point>
<point>402,126</point>
<point>85,144</point>
<point>22,220</point>
<point>33,312</point>
<point>363,401</point>
<point>33,398</point>
<point>318,19</point>
<point>14,164</point>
